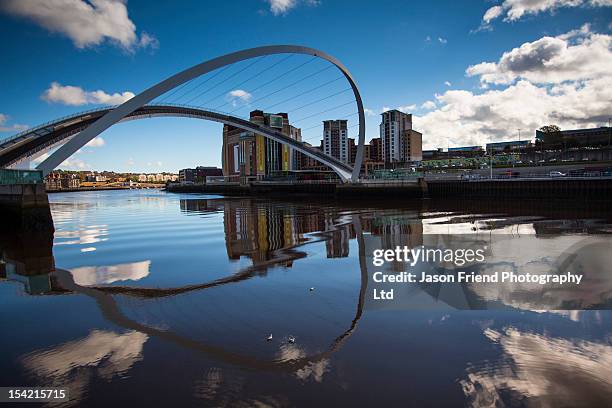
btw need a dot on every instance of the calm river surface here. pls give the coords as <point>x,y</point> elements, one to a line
<point>168,299</point>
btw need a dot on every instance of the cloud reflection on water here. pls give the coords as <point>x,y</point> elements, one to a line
<point>106,274</point>
<point>541,371</point>
<point>103,354</point>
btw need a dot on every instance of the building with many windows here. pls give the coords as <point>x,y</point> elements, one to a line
<point>508,146</point>
<point>335,139</point>
<point>246,155</point>
<point>198,175</point>
<point>594,137</point>
<point>399,142</point>
<point>62,180</point>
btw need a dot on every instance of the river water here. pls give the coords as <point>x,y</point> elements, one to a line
<point>147,297</point>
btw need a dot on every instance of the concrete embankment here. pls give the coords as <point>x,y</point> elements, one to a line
<point>565,188</point>
<point>411,188</point>
<point>25,207</point>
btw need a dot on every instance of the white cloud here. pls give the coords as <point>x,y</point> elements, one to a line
<point>130,162</point>
<point>148,41</point>
<point>369,112</point>
<point>74,164</point>
<point>75,96</point>
<point>282,7</point>
<point>492,14</point>
<point>514,10</point>
<point>551,80</point>
<point>577,55</point>
<point>278,7</point>
<point>447,83</point>
<point>96,142</point>
<point>238,97</point>
<point>442,40</point>
<point>428,105</point>
<point>10,128</point>
<point>86,23</point>
<point>406,108</point>
<point>240,94</point>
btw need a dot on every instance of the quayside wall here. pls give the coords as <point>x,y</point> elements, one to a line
<point>562,188</point>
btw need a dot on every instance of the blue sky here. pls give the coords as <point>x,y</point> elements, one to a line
<point>413,55</point>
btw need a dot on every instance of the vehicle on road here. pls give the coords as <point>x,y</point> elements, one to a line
<point>556,174</point>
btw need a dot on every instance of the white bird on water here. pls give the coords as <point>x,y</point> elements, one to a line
<point>269,338</point>
<point>311,289</point>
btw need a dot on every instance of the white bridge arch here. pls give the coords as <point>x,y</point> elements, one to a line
<point>120,112</point>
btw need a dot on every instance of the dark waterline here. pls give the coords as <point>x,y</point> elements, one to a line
<point>168,299</point>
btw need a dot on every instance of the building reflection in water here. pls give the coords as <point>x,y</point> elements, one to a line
<point>258,229</point>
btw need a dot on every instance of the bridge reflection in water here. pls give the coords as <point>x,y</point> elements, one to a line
<point>228,318</point>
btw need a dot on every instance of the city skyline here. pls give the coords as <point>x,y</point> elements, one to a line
<point>504,67</point>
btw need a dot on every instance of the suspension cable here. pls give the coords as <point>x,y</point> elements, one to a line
<point>302,94</point>
<point>324,111</point>
<point>236,86</point>
<point>256,75</point>
<point>225,80</point>
<point>320,124</point>
<point>175,90</point>
<point>286,87</point>
<point>322,99</point>
<point>206,80</point>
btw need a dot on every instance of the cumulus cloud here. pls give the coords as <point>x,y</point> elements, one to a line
<point>428,105</point>
<point>148,41</point>
<point>472,119</point>
<point>86,23</point>
<point>96,142</point>
<point>514,10</point>
<point>238,97</point>
<point>369,112</point>
<point>492,14</point>
<point>74,164</point>
<point>406,108</point>
<point>558,80</point>
<point>240,94</point>
<point>282,7</point>
<point>75,96</point>
<point>10,128</point>
<point>577,55</point>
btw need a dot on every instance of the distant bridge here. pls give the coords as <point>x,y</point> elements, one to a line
<point>36,141</point>
<point>81,129</point>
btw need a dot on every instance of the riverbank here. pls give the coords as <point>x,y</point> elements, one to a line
<point>72,190</point>
<point>596,188</point>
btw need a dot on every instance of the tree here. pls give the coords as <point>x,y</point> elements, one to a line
<point>550,129</point>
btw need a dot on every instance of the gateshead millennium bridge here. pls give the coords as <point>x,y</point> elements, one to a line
<point>69,134</point>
